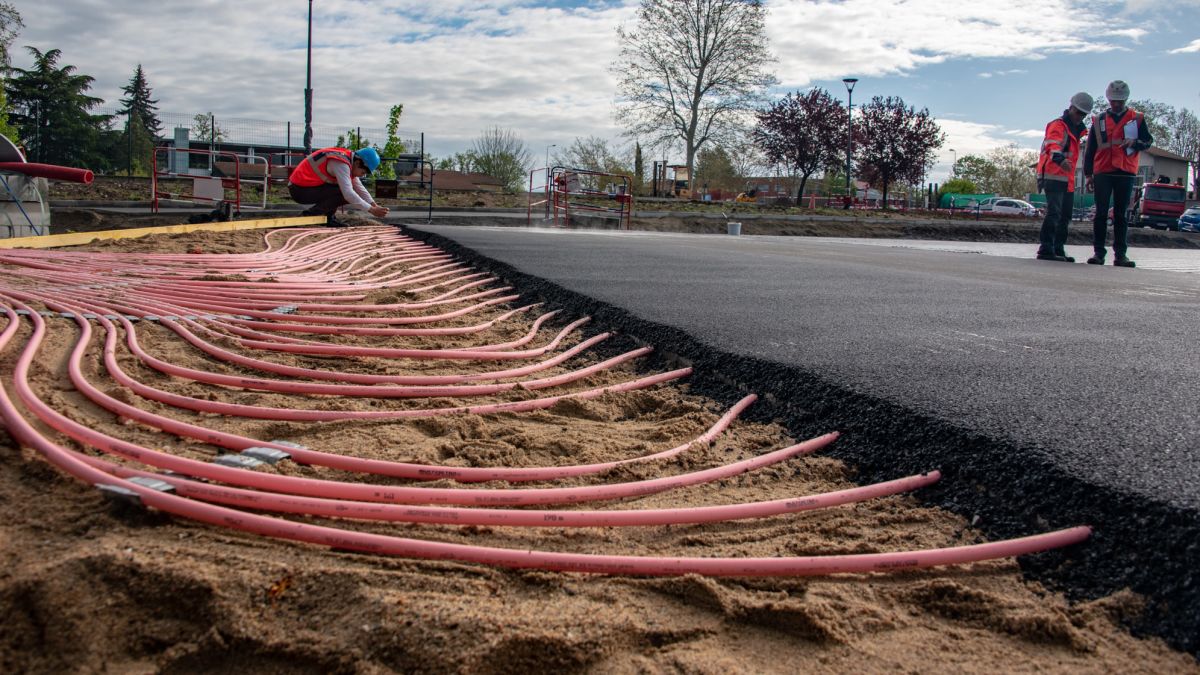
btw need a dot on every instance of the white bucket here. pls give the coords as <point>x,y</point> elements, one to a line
<point>734,228</point>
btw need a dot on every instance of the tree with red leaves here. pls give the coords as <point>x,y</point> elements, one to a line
<point>893,142</point>
<point>802,132</point>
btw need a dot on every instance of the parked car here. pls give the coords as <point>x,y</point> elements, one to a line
<point>1190,220</point>
<point>1008,205</point>
<point>1090,215</point>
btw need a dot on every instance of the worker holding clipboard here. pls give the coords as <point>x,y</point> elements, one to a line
<point>1110,164</point>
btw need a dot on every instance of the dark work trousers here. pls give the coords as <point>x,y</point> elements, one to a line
<point>325,198</point>
<point>1059,205</point>
<point>1117,189</point>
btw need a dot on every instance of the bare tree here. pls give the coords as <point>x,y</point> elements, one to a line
<point>690,70</point>
<point>10,25</point>
<point>1185,141</point>
<point>593,154</point>
<point>1016,170</point>
<point>803,132</point>
<point>500,153</point>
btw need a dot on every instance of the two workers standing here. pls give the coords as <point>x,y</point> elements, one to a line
<point>1110,164</point>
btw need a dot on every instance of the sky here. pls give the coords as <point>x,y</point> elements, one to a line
<point>991,73</point>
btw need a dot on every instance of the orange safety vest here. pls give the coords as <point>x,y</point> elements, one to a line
<point>1109,134</point>
<point>313,172</point>
<point>1058,139</point>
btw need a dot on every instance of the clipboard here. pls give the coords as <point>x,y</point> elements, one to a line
<point>1130,130</point>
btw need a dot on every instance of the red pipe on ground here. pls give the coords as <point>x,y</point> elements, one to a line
<point>49,171</point>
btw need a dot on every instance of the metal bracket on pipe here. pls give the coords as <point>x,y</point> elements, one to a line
<point>121,493</point>
<point>289,444</point>
<point>268,455</point>
<point>176,474</point>
<point>285,309</point>
<point>238,461</point>
<point>117,493</point>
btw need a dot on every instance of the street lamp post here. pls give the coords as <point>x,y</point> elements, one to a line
<point>552,145</point>
<point>849,82</point>
<point>308,89</point>
<point>953,163</point>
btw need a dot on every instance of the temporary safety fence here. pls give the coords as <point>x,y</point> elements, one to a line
<point>302,294</point>
<point>233,173</point>
<point>568,191</point>
<point>404,167</point>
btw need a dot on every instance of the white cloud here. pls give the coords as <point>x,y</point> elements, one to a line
<point>824,39</point>
<point>1027,133</point>
<point>459,66</point>
<point>971,138</point>
<point>1001,73</point>
<point>1190,48</point>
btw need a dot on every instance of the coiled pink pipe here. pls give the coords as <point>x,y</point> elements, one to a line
<point>338,461</point>
<point>571,562</point>
<point>24,433</point>
<point>377,493</point>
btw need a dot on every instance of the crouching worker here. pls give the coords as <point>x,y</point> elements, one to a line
<point>1056,175</point>
<point>332,177</point>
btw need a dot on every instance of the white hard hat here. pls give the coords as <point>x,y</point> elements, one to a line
<point>1082,102</point>
<point>1117,91</point>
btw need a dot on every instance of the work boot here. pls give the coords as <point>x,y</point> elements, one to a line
<point>334,222</point>
<point>1064,256</point>
<point>1051,256</point>
<point>1096,260</point>
<point>1123,262</point>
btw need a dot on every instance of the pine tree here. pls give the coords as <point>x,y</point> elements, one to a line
<point>137,102</point>
<point>142,126</point>
<point>639,169</point>
<point>51,109</point>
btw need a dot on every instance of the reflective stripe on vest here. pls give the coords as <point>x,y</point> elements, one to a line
<point>312,171</point>
<point>1109,157</point>
<point>1047,169</point>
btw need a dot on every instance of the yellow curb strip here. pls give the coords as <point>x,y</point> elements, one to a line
<point>78,238</point>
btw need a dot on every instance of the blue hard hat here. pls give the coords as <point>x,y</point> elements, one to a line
<point>369,157</point>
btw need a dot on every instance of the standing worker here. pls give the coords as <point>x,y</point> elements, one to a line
<point>331,177</point>
<point>1110,164</point>
<point>1056,175</point>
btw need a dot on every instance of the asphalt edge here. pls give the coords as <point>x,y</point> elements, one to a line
<point>1003,489</point>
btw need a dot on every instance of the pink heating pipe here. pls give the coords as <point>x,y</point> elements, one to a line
<point>342,539</point>
<point>294,387</point>
<point>355,464</point>
<point>361,510</point>
<point>364,492</point>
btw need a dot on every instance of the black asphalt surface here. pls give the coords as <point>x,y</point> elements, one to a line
<point>1049,394</point>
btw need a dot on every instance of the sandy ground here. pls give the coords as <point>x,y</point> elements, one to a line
<point>90,585</point>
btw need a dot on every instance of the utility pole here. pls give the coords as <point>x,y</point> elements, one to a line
<point>308,90</point>
<point>849,82</point>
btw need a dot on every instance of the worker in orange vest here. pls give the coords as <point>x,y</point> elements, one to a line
<point>1110,164</point>
<point>1056,176</point>
<point>332,177</point>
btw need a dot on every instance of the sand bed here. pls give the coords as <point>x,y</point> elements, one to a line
<point>92,585</point>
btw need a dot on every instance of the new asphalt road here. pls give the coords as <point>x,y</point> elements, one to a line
<point>1100,364</point>
<point>1054,393</point>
